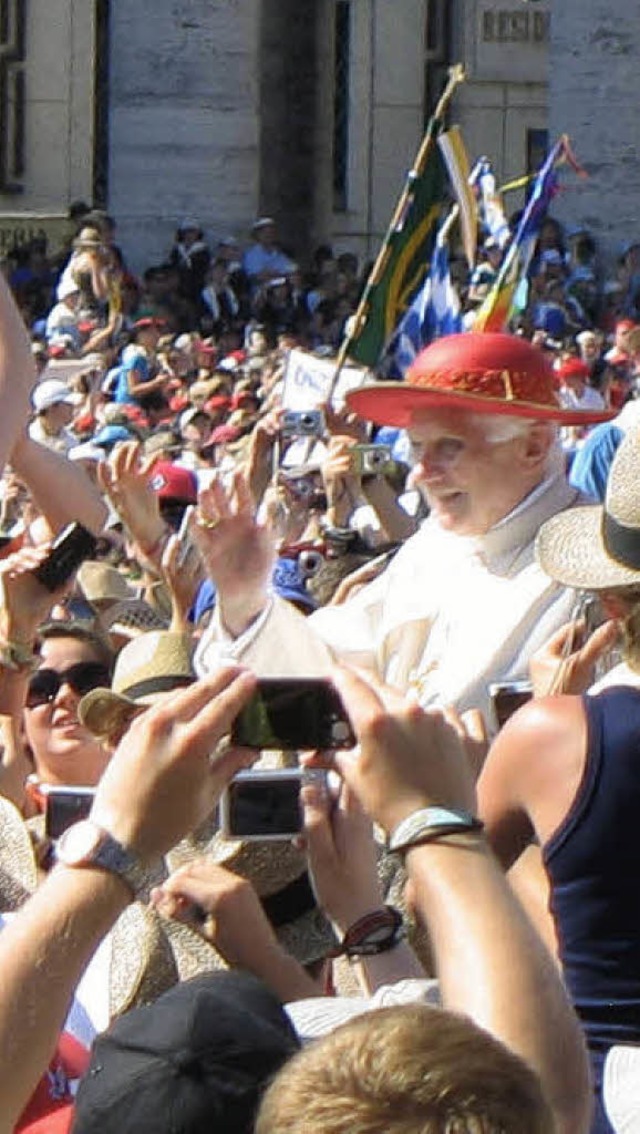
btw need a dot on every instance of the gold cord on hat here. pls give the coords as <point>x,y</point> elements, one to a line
<point>508,388</point>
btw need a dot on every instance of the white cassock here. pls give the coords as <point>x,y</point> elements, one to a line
<point>450,615</point>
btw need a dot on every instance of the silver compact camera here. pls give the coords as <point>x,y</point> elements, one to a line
<point>371,460</point>
<point>303,423</point>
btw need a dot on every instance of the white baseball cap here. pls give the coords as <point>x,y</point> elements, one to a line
<point>51,392</point>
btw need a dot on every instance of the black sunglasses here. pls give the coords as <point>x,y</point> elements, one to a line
<point>45,684</point>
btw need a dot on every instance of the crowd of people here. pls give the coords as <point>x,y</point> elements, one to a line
<point>432,548</point>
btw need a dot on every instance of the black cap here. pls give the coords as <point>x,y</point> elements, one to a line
<point>196,1060</point>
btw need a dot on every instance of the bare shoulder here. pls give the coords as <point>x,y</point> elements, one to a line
<point>535,764</point>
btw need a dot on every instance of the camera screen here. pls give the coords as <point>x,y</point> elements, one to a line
<point>264,807</point>
<point>64,808</point>
<point>294,713</point>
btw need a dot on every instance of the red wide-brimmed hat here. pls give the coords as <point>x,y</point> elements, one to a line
<point>477,373</point>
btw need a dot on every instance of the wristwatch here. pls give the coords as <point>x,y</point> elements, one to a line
<point>431,823</point>
<point>87,844</point>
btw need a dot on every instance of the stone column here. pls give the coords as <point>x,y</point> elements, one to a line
<point>593,98</point>
<point>184,119</point>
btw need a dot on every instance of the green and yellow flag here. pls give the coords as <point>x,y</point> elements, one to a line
<point>406,251</point>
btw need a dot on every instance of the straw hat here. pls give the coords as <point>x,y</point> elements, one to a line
<point>99,582</point>
<point>598,547</point>
<point>278,873</point>
<point>145,960</point>
<point>157,663</point>
<point>477,373</point>
<point>88,238</point>
<point>152,663</point>
<point>131,618</point>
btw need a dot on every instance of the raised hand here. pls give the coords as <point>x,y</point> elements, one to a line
<point>165,776</point>
<point>342,854</point>
<point>25,602</point>
<point>237,551</point>
<point>124,478</point>
<point>407,758</point>
<point>183,571</point>
<point>567,663</point>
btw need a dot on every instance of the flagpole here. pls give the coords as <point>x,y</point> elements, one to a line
<point>456,76</point>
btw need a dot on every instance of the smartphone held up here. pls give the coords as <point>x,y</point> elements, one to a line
<point>68,551</point>
<point>292,714</point>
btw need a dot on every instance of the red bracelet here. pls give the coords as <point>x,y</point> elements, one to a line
<point>375,933</point>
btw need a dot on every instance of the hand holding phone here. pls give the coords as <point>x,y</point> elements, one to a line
<point>69,549</point>
<point>294,713</point>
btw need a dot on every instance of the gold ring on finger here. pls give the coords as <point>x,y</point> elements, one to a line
<point>208,524</point>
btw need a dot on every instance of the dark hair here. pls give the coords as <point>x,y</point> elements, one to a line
<point>82,632</point>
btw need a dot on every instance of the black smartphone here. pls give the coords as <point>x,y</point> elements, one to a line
<point>65,806</point>
<point>265,804</point>
<point>507,697</point>
<point>293,713</point>
<point>70,548</point>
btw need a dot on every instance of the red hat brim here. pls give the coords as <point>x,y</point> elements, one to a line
<point>395,403</point>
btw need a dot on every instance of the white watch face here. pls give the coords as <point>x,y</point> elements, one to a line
<point>79,842</point>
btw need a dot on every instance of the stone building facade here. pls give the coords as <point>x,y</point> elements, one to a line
<point>594,58</point>
<point>308,109</point>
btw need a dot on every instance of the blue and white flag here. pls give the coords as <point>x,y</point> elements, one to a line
<point>435,311</point>
<point>492,215</point>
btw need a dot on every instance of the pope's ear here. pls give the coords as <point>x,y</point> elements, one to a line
<point>537,443</point>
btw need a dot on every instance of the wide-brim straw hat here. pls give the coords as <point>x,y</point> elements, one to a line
<point>159,662</point>
<point>152,663</point>
<point>476,373</point>
<point>100,582</point>
<point>598,547</point>
<point>149,954</point>
<point>132,618</point>
<point>278,873</point>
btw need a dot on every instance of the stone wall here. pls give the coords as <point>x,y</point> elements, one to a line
<point>184,119</point>
<point>57,136</point>
<point>386,119</point>
<point>504,45</point>
<point>593,94</point>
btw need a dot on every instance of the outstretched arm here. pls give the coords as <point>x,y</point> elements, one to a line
<point>17,372</point>
<point>491,964</point>
<point>60,487</point>
<point>161,783</point>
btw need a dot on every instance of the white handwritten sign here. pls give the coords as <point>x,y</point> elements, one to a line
<point>308,380</point>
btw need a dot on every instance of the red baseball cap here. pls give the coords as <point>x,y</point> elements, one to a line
<point>573,368</point>
<point>170,482</point>
<point>487,373</point>
<point>222,434</point>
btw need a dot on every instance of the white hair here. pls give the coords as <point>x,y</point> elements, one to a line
<point>498,428</point>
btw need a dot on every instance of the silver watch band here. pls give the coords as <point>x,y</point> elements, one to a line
<point>429,823</point>
<point>86,844</point>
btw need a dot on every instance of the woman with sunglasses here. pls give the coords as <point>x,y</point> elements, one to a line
<point>44,671</point>
<point>72,661</point>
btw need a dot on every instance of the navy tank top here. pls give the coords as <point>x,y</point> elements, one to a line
<point>593,862</point>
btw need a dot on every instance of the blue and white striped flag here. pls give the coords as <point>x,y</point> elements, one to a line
<point>492,215</point>
<point>435,311</point>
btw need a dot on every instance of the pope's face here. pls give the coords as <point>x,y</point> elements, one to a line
<point>468,482</point>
